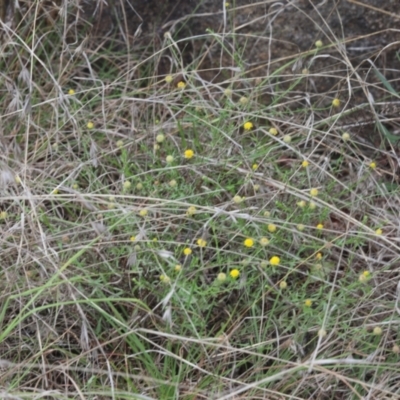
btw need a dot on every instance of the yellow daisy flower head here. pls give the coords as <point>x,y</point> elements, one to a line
<point>160,138</point>
<point>181,85</point>
<point>301,203</point>
<point>188,154</point>
<point>282,285</point>
<point>377,331</point>
<point>264,241</point>
<point>191,211</point>
<point>272,228</point>
<point>300,227</point>
<point>178,268</point>
<point>254,167</point>
<point>314,192</point>
<point>143,212</point>
<point>248,126</point>
<point>165,279</point>
<point>305,164</point>
<point>335,103</point>
<point>234,273</point>
<point>346,137</point>
<point>187,251</point>
<point>201,242</point>
<point>3,214</point>
<point>237,199</point>
<point>318,256</point>
<point>322,333</point>
<point>243,100</point>
<point>221,277</point>
<point>320,226</point>
<point>228,92</point>
<point>132,238</point>
<point>287,138</point>
<point>169,159</point>
<point>169,78</point>
<point>318,44</point>
<point>249,242</point>
<point>379,231</point>
<point>275,260</point>
<point>71,92</point>
<point>90,125</point>
<point>308,303</point>
<point>273,131</point>
<point>372,164</point>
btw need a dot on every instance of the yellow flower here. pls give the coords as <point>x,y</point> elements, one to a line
<point>173,183</point>
<point>221,277</point>
<point>189,154</point>
<point>300,227</point>
<point>275,260</point>
<point>308,303</point>
<point>120,143</point>
<point>305,164</point>
<point>287,138</point>
<point>264,241</point>
<point>237,199</point>
<point>249,242</point>
<point>301,203</point>
<point>178,268</point>
<point>272,228</point>
<point>127,185</point>
<point>160,138</point>
<point>372,164</point>
<point>322,333</point>
<point>143,212</point>
<point>181,85</point>
<point>267,214</point>
<point>283,285</point>
<point>90,125</point>
<point>169,159</point>
<point>169,78</point>
<point>377,331</point>
<point>273,131</point>
<point>379,231</point>
<point>132,238</point>
<point>3,214</point>
<point>71,92</point>
<point>248,126</point>
<point>318,256</point>
<point>346,136</point>
<point>234,273</point>
<point>201,243</point>
<point>165,279</point>
<point>228,92</point>
<point>256,188</point>
<point>314,192</point>
<point>312,205</point>
<point>336,103</point>
<point>320,226</point>
<point>191,211</point>
<point>318,44</point>
<point>187,251</point>
<point>254,167</point>
<point>243,101</point>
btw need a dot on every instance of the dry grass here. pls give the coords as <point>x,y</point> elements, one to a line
<point>98,202</point>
